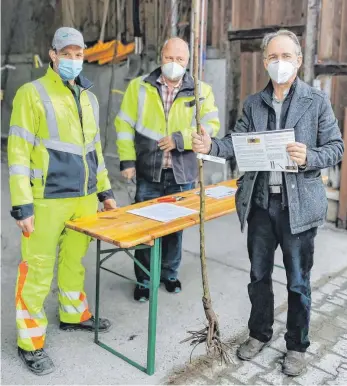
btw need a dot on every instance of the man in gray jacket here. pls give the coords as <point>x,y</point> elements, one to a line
<point>282,208</point>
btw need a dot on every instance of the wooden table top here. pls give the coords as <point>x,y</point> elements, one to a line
<point>127,230</point>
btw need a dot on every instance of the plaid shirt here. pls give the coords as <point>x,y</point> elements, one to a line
<point>168,97</point>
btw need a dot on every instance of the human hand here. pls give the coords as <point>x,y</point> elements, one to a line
<point>27,225</point>
<point>297,152</point>
<point>128,173</point>
<point>201,143</point>
<point>109,204</point>
<point>167,144</point>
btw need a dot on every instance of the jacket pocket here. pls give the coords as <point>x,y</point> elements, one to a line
<point>313,200</point>
<point>312,174</point>
<point>92,162</point>
<point>65,175</point>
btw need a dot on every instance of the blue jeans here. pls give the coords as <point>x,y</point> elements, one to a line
<point>266,230</point>
<point>171,244</point>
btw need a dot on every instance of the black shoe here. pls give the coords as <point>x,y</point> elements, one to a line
<point>141,293</point>
<point>37,361</point>
<point>88,325</point>
<point>172,285</point>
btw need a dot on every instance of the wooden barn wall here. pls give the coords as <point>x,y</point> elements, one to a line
<point>249,14</point>
<point>331,45</point>
<point>155,19</point>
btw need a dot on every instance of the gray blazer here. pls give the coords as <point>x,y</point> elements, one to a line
<point>311,115</point>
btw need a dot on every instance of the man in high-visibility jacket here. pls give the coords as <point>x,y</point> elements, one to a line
<point>154,128</point>
<point>57,173</point>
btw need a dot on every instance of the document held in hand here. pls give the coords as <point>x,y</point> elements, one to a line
<point>264,151</point>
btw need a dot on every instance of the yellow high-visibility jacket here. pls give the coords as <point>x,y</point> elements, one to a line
<point>141,123</point>
<point>54,150</point>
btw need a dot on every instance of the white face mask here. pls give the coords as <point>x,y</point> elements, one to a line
<point>173,70</point>
<point>281,71</point>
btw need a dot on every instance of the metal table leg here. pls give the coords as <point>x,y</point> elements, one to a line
<point>97,291</point>
<point>153,305</point>
<point>154,283</point>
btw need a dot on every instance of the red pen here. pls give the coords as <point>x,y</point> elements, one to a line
<point>170,199</point>
<point>26,234</point>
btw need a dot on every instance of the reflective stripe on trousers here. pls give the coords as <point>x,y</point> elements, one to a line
<point>73,296</point>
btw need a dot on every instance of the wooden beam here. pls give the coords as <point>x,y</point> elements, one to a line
<point>330,69</point>
<point>342,213</point>
<point>259,33</point>
<point>233,83</point>
<point>326,31</point>
<point>251,45</point>
<point>311,34</point>
<point>215,23</point>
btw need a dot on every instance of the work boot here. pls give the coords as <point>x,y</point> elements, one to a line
<point>36,361</point>
<point>249,349</point>
<point>141,293</point>
<point>294,363</point>
<point>87,325</point>
<point>172,285</point>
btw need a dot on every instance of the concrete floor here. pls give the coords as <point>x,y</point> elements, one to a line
<point>79,361</point>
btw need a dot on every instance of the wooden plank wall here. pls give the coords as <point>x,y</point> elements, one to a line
<point>86,15</point>
<point>332,46</point>
<point>248,14</point>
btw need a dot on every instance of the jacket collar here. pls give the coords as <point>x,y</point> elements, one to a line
<point>187,81</point>
<point>300,96</point>
<point>268,92</point>
<point>80,80</point>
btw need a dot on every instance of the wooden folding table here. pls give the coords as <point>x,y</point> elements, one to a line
<point>129,232</point>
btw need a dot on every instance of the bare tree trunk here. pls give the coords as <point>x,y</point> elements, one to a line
<point>210,334</point>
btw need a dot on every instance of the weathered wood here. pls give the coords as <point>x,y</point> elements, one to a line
<point>251,45</point>
<point>341,81</point>
<point>246,16</point>
<point>259,33</point>
<point>273,10</point>
<point>311,33</point>
<point>342,212</point>
<point>326,32</point>
<point>215,30</point>
<point>330,69</point>
<point>127,230</point>
<point>233,80</point>
<point>235,14</point>
<point>68,13</point>
<point>258,14</point>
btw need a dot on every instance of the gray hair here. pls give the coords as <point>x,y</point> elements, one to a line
<point>282,32</point>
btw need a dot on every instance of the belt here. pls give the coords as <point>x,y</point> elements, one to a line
<point>275,189</point>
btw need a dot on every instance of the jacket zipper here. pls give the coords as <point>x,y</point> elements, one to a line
<point>86,168</point>
<point>84,154</point>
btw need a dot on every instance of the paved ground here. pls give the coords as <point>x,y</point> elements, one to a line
<point>327,355</point>
<point>79,361</point>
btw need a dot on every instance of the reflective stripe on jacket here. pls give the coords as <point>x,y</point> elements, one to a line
<point>52,153</point>
<point>141,123</point>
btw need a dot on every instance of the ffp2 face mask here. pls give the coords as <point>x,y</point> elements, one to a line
<point>173,70</point>
<point>281,71</point>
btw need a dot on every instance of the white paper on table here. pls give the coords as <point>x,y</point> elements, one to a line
<point>219,192</point>
<point>264,151</point>
<point>163,212</point>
